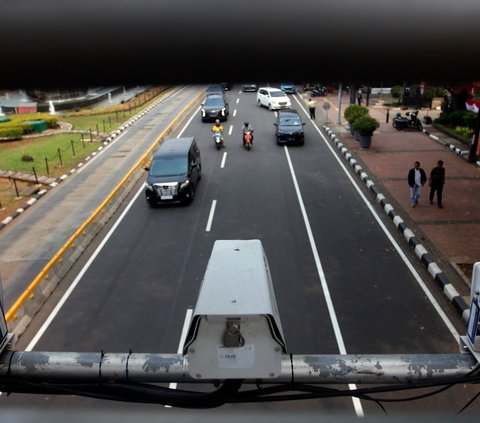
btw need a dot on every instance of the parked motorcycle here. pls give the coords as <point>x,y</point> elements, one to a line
<point>218,139</point>
<point>319,92</point>
<point>247,139</point>
<point>410,121</point>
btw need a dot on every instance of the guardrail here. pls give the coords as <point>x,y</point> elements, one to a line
<point>31,300</point>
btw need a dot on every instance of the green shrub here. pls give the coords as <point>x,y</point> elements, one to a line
<point>428,93</point>
<point>456,118</point>
<point>460,118</point>
<point>396,91</point>
<point>470,119</point>
<point>440,92</point>
<point>365,125</point>
<point>443,119</point>
<point>354,111</point>
<point>16,120</point>
<point>463,131</point>
<point>17,126</point>
<point>12,133</point>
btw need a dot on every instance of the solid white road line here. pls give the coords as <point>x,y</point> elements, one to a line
<point>224,159</point>
<point>323,280</point>
<point>405,259</point>
<point>188,122</point>
<point>67,294</point>
<point>210,216</point>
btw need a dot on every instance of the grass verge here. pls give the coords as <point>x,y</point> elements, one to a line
<point>73,147</point>
<point>51,155</point>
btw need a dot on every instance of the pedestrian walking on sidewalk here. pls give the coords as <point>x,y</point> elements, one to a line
<point>416,179</point>
<point>436,182</point>
<point>359,97</point>
<point>311,107</point>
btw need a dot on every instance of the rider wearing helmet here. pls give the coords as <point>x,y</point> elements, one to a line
<point>247,127</point>
<point>218,127</point>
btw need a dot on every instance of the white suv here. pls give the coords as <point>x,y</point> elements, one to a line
<point>273,98</point>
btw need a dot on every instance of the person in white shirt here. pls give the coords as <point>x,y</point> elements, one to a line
<point>416,179</point>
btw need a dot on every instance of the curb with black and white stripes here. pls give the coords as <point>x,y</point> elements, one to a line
<point>420,251</point>
<point>452,147</point>
<point>111,137</point>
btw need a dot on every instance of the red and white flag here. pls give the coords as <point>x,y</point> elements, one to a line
<point>471,106</point>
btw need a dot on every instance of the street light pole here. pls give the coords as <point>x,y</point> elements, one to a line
<point>340,89</point>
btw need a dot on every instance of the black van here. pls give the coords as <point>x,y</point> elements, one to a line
<point>289,127</point>
<point>174,172</point>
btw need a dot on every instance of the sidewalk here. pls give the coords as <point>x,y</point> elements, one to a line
<point>451,234</point>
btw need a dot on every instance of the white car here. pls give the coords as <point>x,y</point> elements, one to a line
<point>273,98</point>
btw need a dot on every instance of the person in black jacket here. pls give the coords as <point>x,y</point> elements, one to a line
<point>416,179</point>
<point>436,182</point>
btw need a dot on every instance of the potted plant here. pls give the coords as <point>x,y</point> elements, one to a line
<point>352,113</point>
<point>365,126</point>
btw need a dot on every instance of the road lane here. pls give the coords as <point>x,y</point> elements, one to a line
<point>31,241</point>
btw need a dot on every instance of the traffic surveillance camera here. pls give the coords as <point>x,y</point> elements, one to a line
<point>235,331</point>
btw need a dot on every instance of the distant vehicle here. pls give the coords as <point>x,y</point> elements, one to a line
<point>376,91</point>
<point>174,172</point>
<point>273,98</point>
<point>319,91</point>
<point>288,87</point>
<point>309,86</point>
<point>411,121</point>
<point>215,107</point>
<point>249,87</point>
<point>214,90</point>
<point>289,127</point>
<point>227,86</point>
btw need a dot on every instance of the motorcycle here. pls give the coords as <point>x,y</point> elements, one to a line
<point>247,139</point>
<point>319,92</point>
<point>218,139</point>
<point>410,121</point>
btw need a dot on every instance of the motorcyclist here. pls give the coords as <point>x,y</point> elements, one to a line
<point>245,128</point>
<point>218,127</point>
<point>413,116</point>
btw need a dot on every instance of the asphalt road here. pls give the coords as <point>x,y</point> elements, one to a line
<point>27,245</point>
<point>342,282</point>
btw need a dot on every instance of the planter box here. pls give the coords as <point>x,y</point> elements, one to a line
<point>365,141</point>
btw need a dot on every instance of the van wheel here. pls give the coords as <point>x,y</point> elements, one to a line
<point>259,103</point>
<point>191,195</point>
<point>270,106</point>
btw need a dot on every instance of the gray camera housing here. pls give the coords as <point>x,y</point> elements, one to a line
<point>235,331</point>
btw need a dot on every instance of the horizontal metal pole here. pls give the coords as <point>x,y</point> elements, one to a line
<point>166,368</point>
